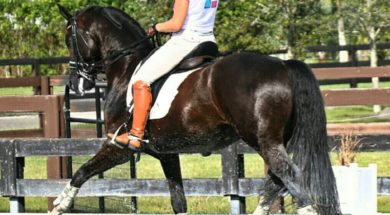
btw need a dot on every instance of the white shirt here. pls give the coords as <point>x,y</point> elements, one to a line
<point>201,15</point>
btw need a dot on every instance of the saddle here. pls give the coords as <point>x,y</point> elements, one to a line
<point>202,55</point>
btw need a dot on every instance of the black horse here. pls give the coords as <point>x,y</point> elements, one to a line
<point>275,106</point>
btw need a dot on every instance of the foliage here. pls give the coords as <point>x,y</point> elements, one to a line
<point>248,25</point>
<point>34,28</point>
<point>360,15</point>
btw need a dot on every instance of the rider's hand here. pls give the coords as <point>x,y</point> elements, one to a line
<point>152,31</point>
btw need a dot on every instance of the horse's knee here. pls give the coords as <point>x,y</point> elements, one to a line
<point>79,178</point>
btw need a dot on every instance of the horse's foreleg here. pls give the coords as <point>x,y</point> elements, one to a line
<point>171,167</point>
<point>107,157</point>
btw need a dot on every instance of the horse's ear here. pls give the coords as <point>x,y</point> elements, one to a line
<point>112,19</point>
<point>64,12</point>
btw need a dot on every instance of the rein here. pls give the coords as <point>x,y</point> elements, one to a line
<point>90,70</point>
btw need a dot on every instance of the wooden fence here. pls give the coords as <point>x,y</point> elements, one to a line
<point>231,184</point>
<point>348,97</point>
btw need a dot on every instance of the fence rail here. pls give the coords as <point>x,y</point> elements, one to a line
<point>229,185</point>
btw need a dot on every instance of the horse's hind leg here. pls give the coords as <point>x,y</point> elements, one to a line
<point>171,166</point>
<point>273,188</point>
<point>107,157</point>
<point>276,157</point>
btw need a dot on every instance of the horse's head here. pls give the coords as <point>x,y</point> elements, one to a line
<point>82,42</point>
<point>94,37</point>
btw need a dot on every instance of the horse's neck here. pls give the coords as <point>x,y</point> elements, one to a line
<point>119,74</point>
<point>121,71</point>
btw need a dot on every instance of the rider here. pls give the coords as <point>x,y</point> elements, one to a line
<point>191,24</point>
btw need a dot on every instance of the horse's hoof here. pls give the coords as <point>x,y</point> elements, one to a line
<point>54,212</point>
<point>261,210</point>
<point>308,210</point>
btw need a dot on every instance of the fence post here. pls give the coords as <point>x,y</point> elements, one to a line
<point>231,171</point>
<point>99,133</point>
<point>56,166</point>
<point>9,174</point>
<point>354,63</point>
<point>36,67</point>
<point>133,175</point>
<point>17,204</point>
<point>45,86</point>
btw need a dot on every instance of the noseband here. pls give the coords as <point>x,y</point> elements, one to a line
<point>90,70</point>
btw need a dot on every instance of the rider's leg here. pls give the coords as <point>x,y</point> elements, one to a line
<point>142,102</point>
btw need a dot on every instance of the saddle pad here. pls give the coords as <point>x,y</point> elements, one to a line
<point>166,95</point>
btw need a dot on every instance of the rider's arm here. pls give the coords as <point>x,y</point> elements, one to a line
<point>176,22</point>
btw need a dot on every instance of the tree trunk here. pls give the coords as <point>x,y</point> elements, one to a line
<point>343,55</point>
<point>8,71</point>
<point>290,41</point>
<point>373,54</point>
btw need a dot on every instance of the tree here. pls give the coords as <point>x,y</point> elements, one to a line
<point>369,18</point>
<point>244,25</point>
<point>303,23</point>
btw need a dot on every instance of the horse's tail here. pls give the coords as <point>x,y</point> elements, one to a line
<point>308,143</point>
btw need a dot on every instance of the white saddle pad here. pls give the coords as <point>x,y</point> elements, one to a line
<point>166,95</point>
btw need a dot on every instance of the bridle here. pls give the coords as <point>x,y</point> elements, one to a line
<point>88,70</point>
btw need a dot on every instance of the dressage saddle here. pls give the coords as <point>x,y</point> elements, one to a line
<point>202,55</point>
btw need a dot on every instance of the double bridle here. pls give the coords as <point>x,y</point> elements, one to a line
<point>90,71</point>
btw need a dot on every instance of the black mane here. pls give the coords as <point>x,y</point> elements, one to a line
<point>113,13</point>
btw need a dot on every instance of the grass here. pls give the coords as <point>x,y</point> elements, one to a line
<point>382,84</point>
<point>26,91</point>
<point>17,91</point>
<point>355,114</point>
<point>193,166</point>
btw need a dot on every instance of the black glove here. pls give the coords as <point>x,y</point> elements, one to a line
<point>152,31</point>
